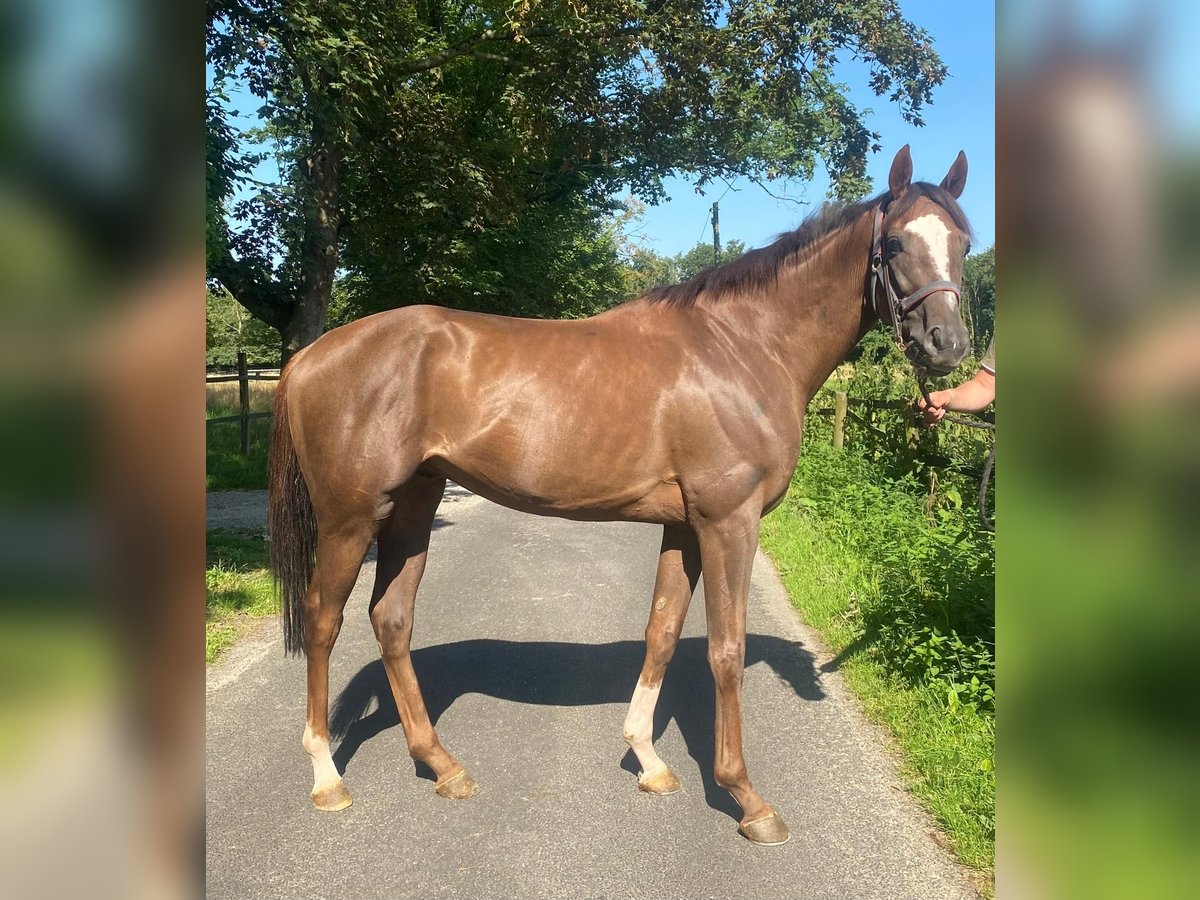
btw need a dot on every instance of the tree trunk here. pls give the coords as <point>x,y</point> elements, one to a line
<point>319,248</point>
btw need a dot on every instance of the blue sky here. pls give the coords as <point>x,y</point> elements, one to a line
<point>961,117</point>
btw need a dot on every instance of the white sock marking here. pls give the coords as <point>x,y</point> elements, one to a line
<point>639,729</point>
<point>325,773</point>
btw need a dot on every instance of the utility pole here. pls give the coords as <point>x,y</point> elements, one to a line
<point>716,219</point>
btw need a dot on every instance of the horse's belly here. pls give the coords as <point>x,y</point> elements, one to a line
<point>582,497</point>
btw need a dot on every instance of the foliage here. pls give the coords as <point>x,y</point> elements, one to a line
<point>557,260</point>
<point>235,549</point>
<point>465,154</point>
<point>229,327</point>
<point>237,585</point>
<point>700,257</point>
<point>223,169</point>
<point>932,618</point>
<point>979,295</point>
<point>877,371</point>
<point>645,269</point>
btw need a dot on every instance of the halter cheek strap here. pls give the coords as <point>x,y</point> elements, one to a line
<point>881,276</point>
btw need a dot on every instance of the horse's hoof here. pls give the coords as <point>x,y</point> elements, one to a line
<point>332,797</point>
<point>662,782</point>
<point>459,786</point>
<point>766,831</point>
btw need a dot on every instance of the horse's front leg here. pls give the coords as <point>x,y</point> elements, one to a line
<point>727,550</point>
<point>678,572</point>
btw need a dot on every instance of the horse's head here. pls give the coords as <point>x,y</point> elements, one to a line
<point>922,240</point>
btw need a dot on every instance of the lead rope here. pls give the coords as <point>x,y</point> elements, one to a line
<point>988,522</point>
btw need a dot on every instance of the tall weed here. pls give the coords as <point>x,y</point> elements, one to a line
<point>931,618</point>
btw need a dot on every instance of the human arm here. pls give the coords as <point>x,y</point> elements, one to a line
<point>972,395</point>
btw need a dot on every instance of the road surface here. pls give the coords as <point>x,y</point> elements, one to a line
<point>528,644</point>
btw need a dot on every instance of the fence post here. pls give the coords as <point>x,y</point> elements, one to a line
<point>244,397</point>
<point>839,420</point>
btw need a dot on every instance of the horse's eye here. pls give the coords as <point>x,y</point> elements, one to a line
<point>968,253</point>
<point>894,247</point>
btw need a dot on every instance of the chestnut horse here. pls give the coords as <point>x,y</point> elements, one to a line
<point>683,407</point>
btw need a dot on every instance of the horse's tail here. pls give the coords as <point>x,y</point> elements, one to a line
<point>291,524</point>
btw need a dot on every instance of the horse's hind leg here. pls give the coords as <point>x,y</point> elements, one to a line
<point>403,548</point>
<point>678,572</point>
<point>339,557</point>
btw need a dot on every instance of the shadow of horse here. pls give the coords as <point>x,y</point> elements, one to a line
<point>563,674</point>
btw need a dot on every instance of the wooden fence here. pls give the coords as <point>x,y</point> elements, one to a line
<point>844,408</point>
<point>842,411</point>
<point>243,377</point>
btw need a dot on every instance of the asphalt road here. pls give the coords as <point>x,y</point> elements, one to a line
<point>528,644</point>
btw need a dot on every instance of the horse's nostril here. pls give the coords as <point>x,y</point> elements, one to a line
<point>935,335</point>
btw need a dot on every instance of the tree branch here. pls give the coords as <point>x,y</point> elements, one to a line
<point>784,198</point>
<point>496,57</point>
<point>267,300</point>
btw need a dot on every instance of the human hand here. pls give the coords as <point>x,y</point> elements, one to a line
<point>934,411</point>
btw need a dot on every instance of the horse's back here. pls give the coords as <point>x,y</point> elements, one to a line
<point>570,417</point>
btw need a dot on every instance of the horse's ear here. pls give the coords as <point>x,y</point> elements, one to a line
<point>956,178</point>
<point>901,175</point>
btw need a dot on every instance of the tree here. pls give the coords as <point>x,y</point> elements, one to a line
<point>979,295</point>
<point>645,269</point>
<point>553,259</point>
<point>700,257</point>
<point>428,128</point>
<point>223,168</point>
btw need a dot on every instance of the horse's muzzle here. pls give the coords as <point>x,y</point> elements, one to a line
<point>941,348</point>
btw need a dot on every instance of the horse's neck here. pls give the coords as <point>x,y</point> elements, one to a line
<point>813,314</point>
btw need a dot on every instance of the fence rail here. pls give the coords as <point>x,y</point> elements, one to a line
<point>250,376</point>
<point>222,420</point>
<point>841,411</point>
<point>243,377</point>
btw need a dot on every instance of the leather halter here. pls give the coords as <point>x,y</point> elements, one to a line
<point>897,307</point>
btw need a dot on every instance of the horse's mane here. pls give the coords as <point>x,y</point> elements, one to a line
<point>756,270</point>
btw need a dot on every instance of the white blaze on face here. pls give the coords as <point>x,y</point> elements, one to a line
<point>931,230</point>
<point>639,729</point>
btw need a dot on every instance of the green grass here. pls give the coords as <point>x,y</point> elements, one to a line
<point>946,750</point>
<point>237,586</point>
<point>226,469</point>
